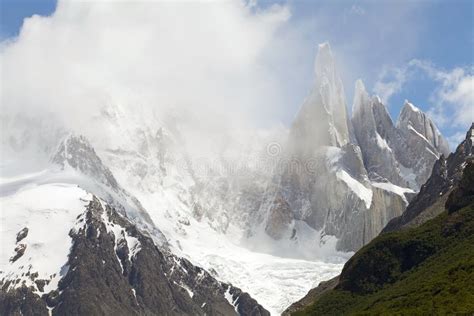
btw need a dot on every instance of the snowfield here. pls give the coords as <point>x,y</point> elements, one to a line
<point>48,211</point>
<point>275,282</point>
<point>48,203</point>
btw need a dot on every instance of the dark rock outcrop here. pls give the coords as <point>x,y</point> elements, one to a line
<point>19,251</point>
<point>22,234</point>
<point>463,195</point>
<point>115,269</point>
<point>76,152</point>
<point>21,301</point>
<point>446,174</point>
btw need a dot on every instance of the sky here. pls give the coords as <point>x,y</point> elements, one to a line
<point>258,55</point>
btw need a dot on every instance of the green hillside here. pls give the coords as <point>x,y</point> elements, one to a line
<point>420,271</point>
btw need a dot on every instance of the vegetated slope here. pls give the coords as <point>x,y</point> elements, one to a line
<point>423,270</point>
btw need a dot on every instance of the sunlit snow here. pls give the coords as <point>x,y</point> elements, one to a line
<point>275,282</point>
<point>48,220</point>
<point>364,193</point>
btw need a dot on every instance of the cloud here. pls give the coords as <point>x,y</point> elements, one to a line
<point>218,65</point>
<point>452,100</point>
<point>201,59</point>
<point>455,139</point>
<point>357,10</point>
<point>390,82</point>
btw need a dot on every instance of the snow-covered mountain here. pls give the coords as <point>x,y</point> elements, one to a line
<point>426,222</point>
<point>344,177</point>
<point>403,153</point>
<point>73,253</point>
<point>262,210</point>
<point>205,203</point>
<point>189,207</point>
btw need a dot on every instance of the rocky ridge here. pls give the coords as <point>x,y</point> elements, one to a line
<point>113,268</point>
<point>439,217</point>
<point>445,175</point>
<point>347,177</point>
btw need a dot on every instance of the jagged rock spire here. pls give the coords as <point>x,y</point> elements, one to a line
<point>412,119</point>
<point>322,119</point>
<point>361,98</point>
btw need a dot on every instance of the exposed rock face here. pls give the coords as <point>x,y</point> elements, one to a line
<point>424,143</point>
<point>75,152</point>
<point>402,154</point>
<point>338,176</point>
<point>279,219</point>
<point>327,104</point>
<point>446,174</point>
<point>372,126</point>
<point>22,234</point>
<point>414,120</point>
<point>114,269</point>
<point>463,195</point>
<point>22,301</point>
<point>19,251</point>
<point>392,256</point>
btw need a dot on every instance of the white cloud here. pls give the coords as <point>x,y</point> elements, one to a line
<point>202,58</point>
<point>390,82</point>
<point>455,139</point>
<point>225,62</point>
<point>459,96</point>
<point>452,100</point>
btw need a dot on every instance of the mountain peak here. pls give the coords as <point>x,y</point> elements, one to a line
<point>359,85</point>
<point>322,119</point>
<point>376,99</point>
<point>324,64</point>
<point>76,152</point>
<point>467,145</point>
<point>324,47</point>
<point>361,97</point>
<point>409,107</point>
<point>415,121</point>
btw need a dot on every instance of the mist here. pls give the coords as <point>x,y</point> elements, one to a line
<point>197,61</point>
<point>220,67</point>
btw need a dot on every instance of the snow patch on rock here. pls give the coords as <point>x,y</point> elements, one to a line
<point>229,297</point>
<point>47,243</point>
<point>382,143</point>
<point>364,193</point>
<point>387,186</point>
<point>120,233</point>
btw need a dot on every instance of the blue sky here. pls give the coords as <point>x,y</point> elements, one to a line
<point>373,40</point>
<point>14,11</point>
<point>380,35</point>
